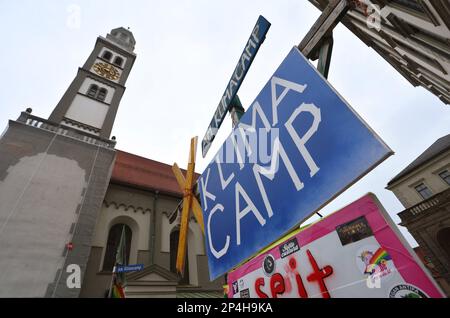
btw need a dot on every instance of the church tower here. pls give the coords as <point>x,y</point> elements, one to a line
<point>91,101</point>
<point>54,174</point>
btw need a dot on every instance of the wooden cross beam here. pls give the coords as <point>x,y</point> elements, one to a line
<point>323,26</point>
<point>190,202</point>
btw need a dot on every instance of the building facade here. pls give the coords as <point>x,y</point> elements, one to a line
<point>423,188</point>
<point>66,193</point>
<point>411,35</point>
<point>144,196</point>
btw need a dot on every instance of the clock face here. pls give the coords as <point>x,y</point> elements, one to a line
<point>106,70</point>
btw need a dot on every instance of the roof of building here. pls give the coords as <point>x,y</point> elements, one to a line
<point>122,37</point>
<point>438,147</point>
<point>140,172</point>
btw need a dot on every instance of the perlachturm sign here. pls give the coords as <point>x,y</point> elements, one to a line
<point>355,252</point>
<point>296,148</point>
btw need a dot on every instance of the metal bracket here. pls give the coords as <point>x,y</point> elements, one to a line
<point>236,110</point>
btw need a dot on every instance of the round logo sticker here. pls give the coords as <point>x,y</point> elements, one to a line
<point>269,265</point>
<point>406,291</point>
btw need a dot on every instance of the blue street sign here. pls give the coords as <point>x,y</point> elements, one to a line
<point>251,48</point>
<point>296,148</point>
<point>129,268</point>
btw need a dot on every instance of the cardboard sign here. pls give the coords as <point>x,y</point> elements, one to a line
<point>297,147</point>
<point>355,252</point>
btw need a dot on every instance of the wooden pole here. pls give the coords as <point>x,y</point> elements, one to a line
<point>187,202</point>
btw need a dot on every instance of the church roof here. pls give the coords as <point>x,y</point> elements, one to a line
<point>438,147</point>
<point>148,174</point>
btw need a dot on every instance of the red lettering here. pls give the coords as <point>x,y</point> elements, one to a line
<point>319,274</point>
<point>258,283</point>
<point>300,287</point>
<point>276,285</point>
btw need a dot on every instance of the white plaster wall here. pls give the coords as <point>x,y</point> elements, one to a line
<point>192,255</point>
<point>35,221</point>
<point>166,228</point>
<point>87,111</point>
<point>429,175</point>
<point>89,81</point>
<point>137,221</point>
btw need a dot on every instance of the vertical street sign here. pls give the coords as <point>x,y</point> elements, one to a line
<point>251,48</point>
<point>297,147</point>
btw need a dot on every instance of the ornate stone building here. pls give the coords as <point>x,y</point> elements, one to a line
<point>66,194</point>
<point>411,35</point>
<point>423,188</point>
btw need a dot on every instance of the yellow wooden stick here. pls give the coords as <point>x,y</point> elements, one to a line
<point>196,207</point>
<point>181,253</point>
<point>187,202</point>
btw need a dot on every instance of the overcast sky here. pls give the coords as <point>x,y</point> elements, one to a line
<point>186,53</point>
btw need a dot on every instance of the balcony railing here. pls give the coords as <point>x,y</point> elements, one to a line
<point>31,120</point>
<point>432,202</point>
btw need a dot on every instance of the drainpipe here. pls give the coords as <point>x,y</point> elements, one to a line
<point>153,229</point>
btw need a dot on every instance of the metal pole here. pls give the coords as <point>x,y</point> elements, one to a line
<point>236,110</point>
<point>111,284</point>
<point>323,65</point>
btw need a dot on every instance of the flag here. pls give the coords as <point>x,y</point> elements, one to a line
<point>119,279</point>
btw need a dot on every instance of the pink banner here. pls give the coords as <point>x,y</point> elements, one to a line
<point>355,252</point>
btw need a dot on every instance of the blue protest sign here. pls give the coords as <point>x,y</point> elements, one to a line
<point>296,148</point>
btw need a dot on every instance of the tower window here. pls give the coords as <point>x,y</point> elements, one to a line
<point>92,92</point>
<point>107,55</point>
<point>118,61</point>
<point>102,94</point>
<point>424,191</point>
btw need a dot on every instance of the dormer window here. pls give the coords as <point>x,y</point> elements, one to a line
<point>107,55</point>
<point>118,61</point>
<point>92,92</point>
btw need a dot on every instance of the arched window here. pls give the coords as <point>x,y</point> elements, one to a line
<point>118,61</point>
<point>174,236</point>
<point>107,55</point>
<point>443,237</point>
<point>113,243</point>
<point>92,92</point>
<point>102,94</point>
